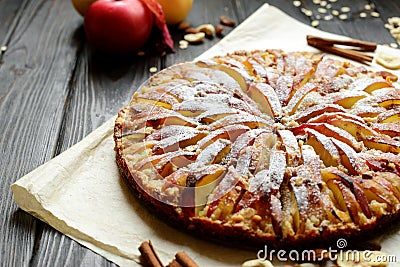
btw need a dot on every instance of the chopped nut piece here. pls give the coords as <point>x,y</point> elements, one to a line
<point>322,10</point>
<point>314,23</point>
<point>375,14</point>
<point>345,9</point>
<point>328,17</point>
<point>343,16</point>
<point>218,30</point>
<point>183,44</point>
<point>153,69</point>
<point>367,7</point>
<point>297,3</point>
<point>227,21</point>
<point>363,15</point>
<point>335,12</point>
<point>191,30</point>
<point>194,37</point>
<point>208,29</point>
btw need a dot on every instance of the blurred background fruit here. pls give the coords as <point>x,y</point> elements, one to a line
<point>118,26</point>
<point>82,5</point>
<point>175,11</point>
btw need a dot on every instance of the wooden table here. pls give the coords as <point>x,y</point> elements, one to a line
<point>54,90</point>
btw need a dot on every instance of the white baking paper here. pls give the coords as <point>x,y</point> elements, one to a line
<point>81,194</point>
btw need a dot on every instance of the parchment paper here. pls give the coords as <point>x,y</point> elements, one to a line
<point>81,194</point>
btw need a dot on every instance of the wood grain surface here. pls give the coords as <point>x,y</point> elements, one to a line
<point>54,90</point>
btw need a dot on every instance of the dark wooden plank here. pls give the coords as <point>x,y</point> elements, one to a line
<point>10,13</point>
<point>99,89</point>
<point>354,26</point>
<point>34,76</point>
<point>56,99</point>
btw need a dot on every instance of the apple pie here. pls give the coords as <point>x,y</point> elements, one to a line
<point>265,147</point>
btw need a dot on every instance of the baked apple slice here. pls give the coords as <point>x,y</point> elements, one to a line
<point>365,109</point>
<point>375,191</point>
<point>214,153</point>
<point>309,201</point>
<point>284,85</point>
<point>165,164</point>
<point>392,115</point>
<point>359,130</point>
<point>266,98</point>
<point>232,67</point>
<point>260,152</point>
<point>324,147</point>
<point>317,110</point>
<point>223,199</point>
<point>369,84</point>
<point>336,115</point>
<point>160,118</point>
<point>328,68</point>
<point>348,195</point>
<point>330,131</point>
<point>212,115</point>
<point>347,98</point>
<point>248,120</point>
<point>199,185</point>
<point>178,141</point>
<point>350,159</point>
<point>230,132</point>
<point>298,96</point>
<point>291,146</point>
<point>391,129</point>
<point>311,159</point>
<point>244,140</point>
<point>382,162</point>
<point>393,179</point>
<point>382,143</point>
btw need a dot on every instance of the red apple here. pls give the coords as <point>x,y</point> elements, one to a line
<point>118,26</point>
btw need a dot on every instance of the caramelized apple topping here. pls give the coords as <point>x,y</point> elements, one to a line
<point>266,146</point>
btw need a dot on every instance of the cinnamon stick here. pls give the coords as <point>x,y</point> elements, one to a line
<point>359,44</point>
<point>149,255</point>
<point>174,263</point>
<point>347,53</point>
<point>183,259</point>
<point>356,52</point>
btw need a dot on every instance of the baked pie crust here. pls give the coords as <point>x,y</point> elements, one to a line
<point>265,147</point>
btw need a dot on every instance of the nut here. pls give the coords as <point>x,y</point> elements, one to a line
<point>218,30</point>
<point>227,21</point>
<point>208,29</point>
<point>191,30</point>
<point>194,37</point>
<point>257,263</point>
<point>183,44</point>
